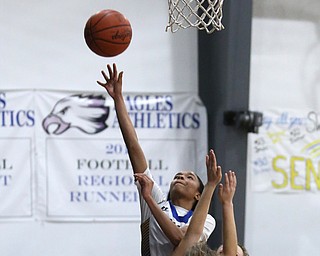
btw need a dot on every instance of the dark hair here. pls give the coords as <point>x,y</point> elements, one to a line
<point>200,189</point>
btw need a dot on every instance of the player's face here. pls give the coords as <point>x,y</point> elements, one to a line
<point>239,251</point>
<point>185,183</point>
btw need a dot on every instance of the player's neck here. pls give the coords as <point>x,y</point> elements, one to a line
<point>181,202</point>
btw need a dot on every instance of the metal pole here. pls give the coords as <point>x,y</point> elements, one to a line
<point>224,70</point>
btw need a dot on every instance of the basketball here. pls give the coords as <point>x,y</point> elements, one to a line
<point>108,33</point>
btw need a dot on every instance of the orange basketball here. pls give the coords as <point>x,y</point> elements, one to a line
<point>108,33</point>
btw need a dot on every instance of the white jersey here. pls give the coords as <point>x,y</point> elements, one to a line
<point>159,244</point>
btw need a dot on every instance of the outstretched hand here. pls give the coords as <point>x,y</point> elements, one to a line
<point>214,174</point>
<point>113,83</point>
<point>227,191</point>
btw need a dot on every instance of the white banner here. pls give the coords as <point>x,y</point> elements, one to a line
<point>285,155</point>
<point>17,121</point>
<point>75,164</point>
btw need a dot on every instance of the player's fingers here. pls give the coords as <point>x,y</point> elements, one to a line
<point>207,161</point>
<point>219,171</point>
<point>100,83</point>
<point>120,77</point>
<point>220,189</point>
<point>231,176</point>
<point>141,182</point>
<point>115,72</point>
<point>146,179</point>
<point>104,76</point>
<point>110,71</point>
<point>226,180</point>
<point>234,179</point>
<point>137,177</point>
<point>213,158</point>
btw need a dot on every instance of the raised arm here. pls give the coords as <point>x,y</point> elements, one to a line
<point>113,85</point>
<point>226,193</point>
<point>196,226</point>
<point>173,232</point>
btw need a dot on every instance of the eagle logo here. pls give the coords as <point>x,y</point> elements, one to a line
<point>84,112</point>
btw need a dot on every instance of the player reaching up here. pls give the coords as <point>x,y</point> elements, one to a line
<point>185,189</point>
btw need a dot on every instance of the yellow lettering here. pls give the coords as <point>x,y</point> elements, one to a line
<point>298,165</point>
<point>279,170</point>
<point>310,169</point>
<point>294,173</point>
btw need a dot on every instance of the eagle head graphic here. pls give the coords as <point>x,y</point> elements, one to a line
<point>84,112</point>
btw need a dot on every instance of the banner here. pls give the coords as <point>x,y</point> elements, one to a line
<point>72,163</point>
<point>17,121</point>
<point>285,155</point>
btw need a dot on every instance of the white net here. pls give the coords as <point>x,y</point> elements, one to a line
<point>202,14</point>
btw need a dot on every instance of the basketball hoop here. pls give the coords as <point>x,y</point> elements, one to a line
<point>202,14</point>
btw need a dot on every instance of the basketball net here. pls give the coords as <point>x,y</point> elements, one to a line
<point>202,14</point>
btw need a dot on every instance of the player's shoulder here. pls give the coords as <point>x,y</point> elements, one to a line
<point>210,219</point>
